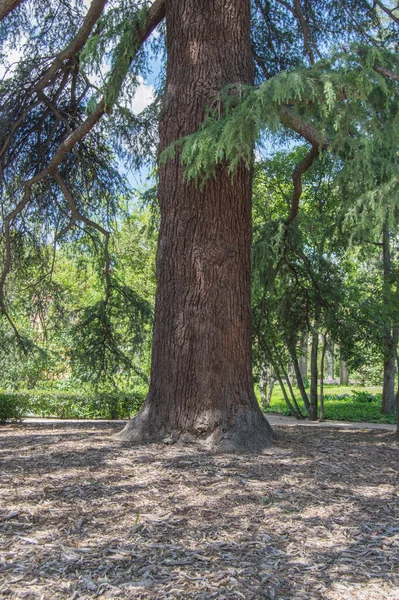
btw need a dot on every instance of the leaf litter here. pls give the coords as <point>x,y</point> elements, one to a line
<point>83,516</point>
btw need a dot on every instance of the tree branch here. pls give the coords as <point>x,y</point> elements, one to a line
<point>387,11</point>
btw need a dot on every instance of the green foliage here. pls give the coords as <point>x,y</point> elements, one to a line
<point>362,396</point>
<point>13,407</point>
<point>108,404</point>
<point>342,404</point>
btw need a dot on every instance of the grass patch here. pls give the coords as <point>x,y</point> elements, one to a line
<point>341,403</point>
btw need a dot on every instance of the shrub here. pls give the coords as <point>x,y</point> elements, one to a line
<point>13,406</point>
<point>364,396</point>
<point>69,405</point>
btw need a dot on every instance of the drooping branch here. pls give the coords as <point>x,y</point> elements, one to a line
<point>76,215</point>
<point>140,34</point>
<point>155,15</point>
<point>93,14</point>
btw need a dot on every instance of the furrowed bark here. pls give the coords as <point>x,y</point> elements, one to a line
<point>201,376</point>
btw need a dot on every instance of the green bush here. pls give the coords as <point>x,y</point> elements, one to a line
<point>69,405</point>
<point>84,405</point>
<point>13,406</point>
<point>365,396</point>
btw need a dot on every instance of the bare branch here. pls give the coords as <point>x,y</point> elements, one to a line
<point>299,170</point>
<point>387,11</point>
<point>91,18</point>
<point>155,15</point>
<point>305,129</point>
<point>260,64</point>
<point>386,72</point>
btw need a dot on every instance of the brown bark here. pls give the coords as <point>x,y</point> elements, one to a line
<point>390,340</point>
<point>323,356</point>
<point>343,373</point>
<point>397,389</point>
<point>201,375</point>
<point>314,376</point>
<point>6,6</point>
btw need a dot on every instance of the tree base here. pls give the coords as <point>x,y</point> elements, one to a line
<point>249,432</point>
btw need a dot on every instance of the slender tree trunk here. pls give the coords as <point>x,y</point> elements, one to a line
<point>271,388</point>
<point>291,373</point>
<point>314,375</point>
<point>263,385</point>
<point>323,355</point>
<point>388,387</point>
<point>397,388</point>
<point>330,360</point>
<point>291,408</point>
<point>343,373</point>
<point>201,372</point>
<point>303,359</point>
<point>299,380</point>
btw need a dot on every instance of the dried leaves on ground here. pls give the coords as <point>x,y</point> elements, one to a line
<point>84,516</point>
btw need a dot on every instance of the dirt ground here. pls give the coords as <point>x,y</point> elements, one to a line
<point>83,516</point>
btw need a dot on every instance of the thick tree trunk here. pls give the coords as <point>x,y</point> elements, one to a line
<point>201,374</point>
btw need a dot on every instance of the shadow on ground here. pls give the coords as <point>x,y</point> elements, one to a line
<point>83,516</point>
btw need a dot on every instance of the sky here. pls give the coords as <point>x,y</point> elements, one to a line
<point>144,95</point>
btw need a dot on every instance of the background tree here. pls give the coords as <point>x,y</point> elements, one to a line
<point>57,168</point>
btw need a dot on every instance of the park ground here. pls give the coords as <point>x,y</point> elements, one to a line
<point>83,516</point>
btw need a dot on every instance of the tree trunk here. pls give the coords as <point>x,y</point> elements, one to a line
<point>390,343</point>
<point>291,373</point>
<point>330,361</point>
<point>397,389</point>
<point>313,376</point>
<point>201,372</point>
<point>271,388</point>
<point>299,377</point>
<point>303,359</point>
<point>263,385</point>
<point>323,355</point>
<point>343,373</point>
<point>388,388</point>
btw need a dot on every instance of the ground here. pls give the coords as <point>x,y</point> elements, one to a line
<point>84,516</point>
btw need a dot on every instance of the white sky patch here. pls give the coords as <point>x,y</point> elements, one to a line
<point>9,64</point>
<point>145,94</point>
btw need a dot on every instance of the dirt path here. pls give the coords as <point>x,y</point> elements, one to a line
<point>82,516</point>
<point>280,420</point>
